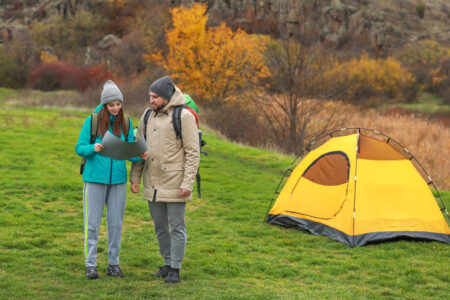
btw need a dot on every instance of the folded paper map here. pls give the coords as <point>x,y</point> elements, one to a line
<point>118,149</point>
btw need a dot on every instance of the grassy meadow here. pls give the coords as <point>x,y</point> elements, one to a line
<point>231,253</point>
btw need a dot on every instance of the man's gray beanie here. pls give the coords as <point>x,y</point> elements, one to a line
<point>110,93</point>
<point>163,87</point>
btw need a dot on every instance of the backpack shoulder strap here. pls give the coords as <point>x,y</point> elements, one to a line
<point>146,116</point>
<point>94,127</point>
<point>126,119</point>
<point>176,119</point>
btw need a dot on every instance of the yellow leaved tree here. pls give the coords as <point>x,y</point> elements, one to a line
<point>210,62</point>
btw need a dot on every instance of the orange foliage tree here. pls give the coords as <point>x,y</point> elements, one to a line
<point>210,62</point>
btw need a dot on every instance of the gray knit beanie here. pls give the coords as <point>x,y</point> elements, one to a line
<point>163,87</point>
<point>110,93</point>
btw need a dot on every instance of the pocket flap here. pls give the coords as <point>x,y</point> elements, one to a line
<point>172,167</point>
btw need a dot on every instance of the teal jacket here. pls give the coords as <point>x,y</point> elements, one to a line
<point>99,168</point>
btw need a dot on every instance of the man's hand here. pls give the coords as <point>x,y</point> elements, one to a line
<point>184,193</point>
<point>135,188</point>
<point>144,155</point>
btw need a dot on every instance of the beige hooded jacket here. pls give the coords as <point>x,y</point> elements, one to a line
<point>172,163</point>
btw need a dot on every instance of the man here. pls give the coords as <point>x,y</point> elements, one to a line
<point>168,173</point>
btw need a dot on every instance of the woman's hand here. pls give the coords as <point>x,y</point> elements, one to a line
<point>144,155</point>
<point>98,147</point>
<point>135,188</point>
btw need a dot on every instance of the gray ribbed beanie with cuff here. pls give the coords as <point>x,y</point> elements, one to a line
<point>110,93</point>
<point>163,87</point>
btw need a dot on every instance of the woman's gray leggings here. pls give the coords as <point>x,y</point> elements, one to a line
<point>96,196</point>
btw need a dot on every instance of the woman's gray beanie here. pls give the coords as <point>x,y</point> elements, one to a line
<point>163,87</point>
<point>110,93</point>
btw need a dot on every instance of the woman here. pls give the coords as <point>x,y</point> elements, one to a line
<point>104,180</point>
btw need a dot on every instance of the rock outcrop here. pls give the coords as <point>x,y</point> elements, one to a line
<point>338,23</point>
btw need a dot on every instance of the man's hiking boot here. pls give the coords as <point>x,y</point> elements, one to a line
<point>114,270</point>
<point>91,273</point>
<point>163,272</point>
<point>173,277</point>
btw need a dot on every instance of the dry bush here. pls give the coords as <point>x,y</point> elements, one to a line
<point>239,123</point>
<point>427,140</point>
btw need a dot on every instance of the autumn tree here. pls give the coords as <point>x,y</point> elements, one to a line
<point>209,62</point>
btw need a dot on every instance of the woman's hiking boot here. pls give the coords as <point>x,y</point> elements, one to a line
<point>91,273</point>
<point>114,270</point>
<point>173,276</point>
<point>163,272</point>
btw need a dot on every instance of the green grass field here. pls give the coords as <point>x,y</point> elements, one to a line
<point>231,253</point>
<point>427,103</point>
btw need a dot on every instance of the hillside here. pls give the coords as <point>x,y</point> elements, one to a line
<point>231,253</point>
<point>341,24</point>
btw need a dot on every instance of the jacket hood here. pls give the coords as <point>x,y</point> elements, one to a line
<point>176,100</point>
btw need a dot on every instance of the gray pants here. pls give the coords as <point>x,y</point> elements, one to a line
<point>95,196</point>
<point>170,229</point>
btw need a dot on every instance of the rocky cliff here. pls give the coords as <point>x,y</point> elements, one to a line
<point>376,24</point>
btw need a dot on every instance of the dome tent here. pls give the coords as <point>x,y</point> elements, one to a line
<point>359,186</point>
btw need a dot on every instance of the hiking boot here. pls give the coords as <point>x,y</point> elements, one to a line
<point>173,277</point>
<point>114,270</point>
<point>91,273</point>
<point>163,271</point>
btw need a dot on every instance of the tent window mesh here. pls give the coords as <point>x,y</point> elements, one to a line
<point>329,169</point>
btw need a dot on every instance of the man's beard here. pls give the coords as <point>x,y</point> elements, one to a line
<point>158,108</point>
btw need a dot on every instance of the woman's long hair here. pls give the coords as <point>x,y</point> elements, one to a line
<point>104,119</point>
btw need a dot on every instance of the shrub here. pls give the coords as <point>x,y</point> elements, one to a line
<point>361,79</point>
<point>441,80</point>
<point>47,57</point>
<point>420,10</point>
<point>238,123</point>
<point>9,71</point>
<point>429,61</point>
<point>67,76</point>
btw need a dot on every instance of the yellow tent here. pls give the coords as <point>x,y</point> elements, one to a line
<point>360,188</point>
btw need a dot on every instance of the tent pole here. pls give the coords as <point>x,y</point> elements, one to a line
<point>354,192</point>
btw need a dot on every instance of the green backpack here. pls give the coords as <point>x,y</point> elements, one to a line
<point>94,130</point>
<point>190,102</point>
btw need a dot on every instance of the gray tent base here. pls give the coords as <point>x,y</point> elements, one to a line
<point>357,240</point>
